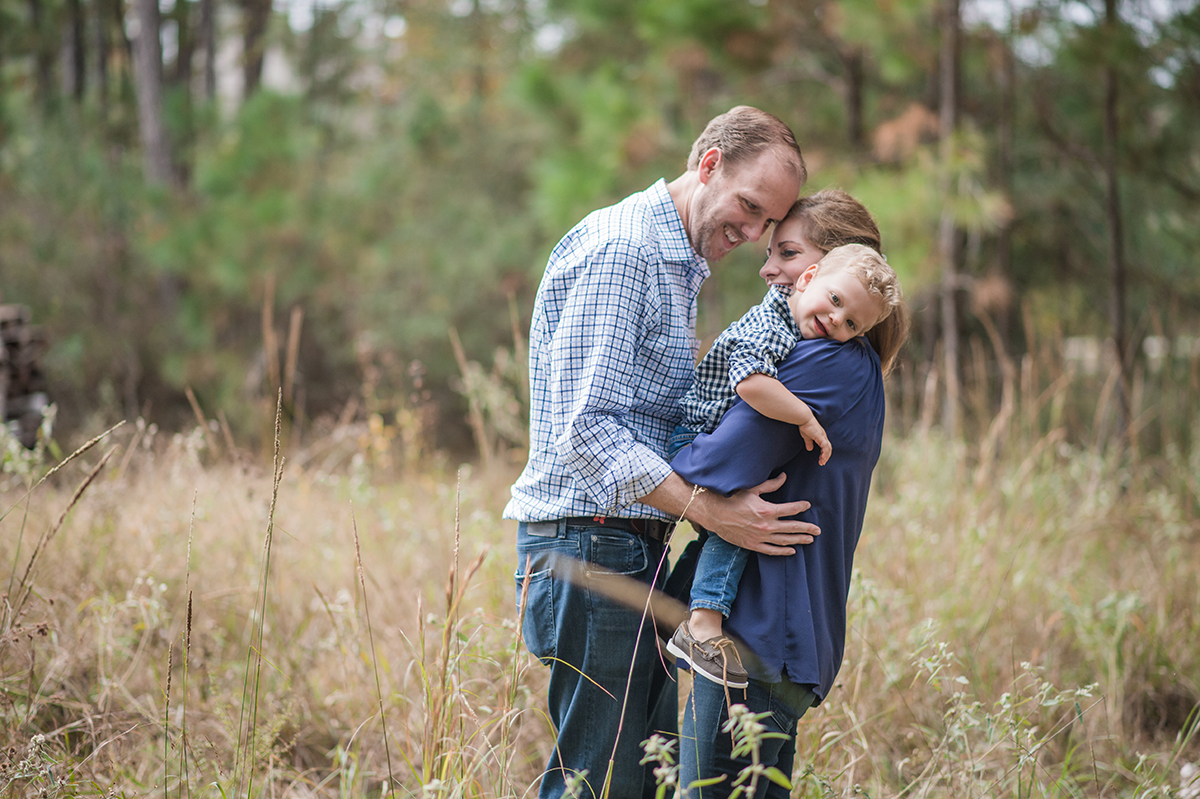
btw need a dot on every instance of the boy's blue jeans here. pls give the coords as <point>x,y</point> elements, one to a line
<point>588,641</point>
<point>720,564</point>
<point>705,750</point>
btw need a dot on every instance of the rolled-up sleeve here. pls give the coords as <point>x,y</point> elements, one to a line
<point>756,355</point>
<point>592,382</point>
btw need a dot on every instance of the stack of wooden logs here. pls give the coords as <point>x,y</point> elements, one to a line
<point>23,391</point>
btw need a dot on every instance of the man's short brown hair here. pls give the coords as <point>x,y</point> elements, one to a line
<point>742,133</point>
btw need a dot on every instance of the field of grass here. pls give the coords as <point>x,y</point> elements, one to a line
<point>197,625</point>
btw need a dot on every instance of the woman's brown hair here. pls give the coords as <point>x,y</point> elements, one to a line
<point>831,218</point>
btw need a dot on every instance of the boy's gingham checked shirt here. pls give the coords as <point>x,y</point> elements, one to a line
<point>753,344</point>
<point>612,349</point>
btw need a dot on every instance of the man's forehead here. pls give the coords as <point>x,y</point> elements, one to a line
<point>768,179</point>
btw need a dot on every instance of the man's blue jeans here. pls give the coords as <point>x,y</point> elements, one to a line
<point>705,749</point>
<point>588,640</point>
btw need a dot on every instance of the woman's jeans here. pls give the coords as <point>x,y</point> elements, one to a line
<point>719,564</point>
<point>705,749</point>
<point>588,641</point>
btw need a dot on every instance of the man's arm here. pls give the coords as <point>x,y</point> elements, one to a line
<point>743,518</point>
<point>591,386</point>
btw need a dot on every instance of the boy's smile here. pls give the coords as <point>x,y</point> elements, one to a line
<point>833,303</point>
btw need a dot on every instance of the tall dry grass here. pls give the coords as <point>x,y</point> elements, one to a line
<point>1024,626</point>
<point>86,663</point>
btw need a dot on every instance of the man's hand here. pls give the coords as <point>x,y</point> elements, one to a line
<point>743,519</point>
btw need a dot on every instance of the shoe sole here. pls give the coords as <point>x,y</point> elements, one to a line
<point>680,655</point>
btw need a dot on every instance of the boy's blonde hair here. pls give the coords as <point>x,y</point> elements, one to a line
<point>879,279</point>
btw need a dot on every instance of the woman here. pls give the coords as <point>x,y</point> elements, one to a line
<point>790,611</point>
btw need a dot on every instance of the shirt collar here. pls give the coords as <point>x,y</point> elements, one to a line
<point>777,297</point>
<point>676,247</point>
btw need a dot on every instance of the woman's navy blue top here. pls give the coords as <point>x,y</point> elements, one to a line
<point>791,610</point>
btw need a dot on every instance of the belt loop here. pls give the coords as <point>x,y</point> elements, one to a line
<point>562,528</point>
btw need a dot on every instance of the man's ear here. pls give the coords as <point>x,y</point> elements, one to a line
<point>710,162</point>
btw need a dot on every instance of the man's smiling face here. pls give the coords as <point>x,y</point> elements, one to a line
<point>739,204</point>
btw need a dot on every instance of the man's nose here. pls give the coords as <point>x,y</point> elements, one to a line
<point>753,231</point>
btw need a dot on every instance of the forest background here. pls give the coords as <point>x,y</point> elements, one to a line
<point>346,207</point>
<point>394,175</point>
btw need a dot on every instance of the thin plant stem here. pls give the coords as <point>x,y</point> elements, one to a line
<point>24,585</point>
<point>12,575</point>
<point>187,648</point>
<point>371,639</point>
<point>637,642</point>
<point>167,723</point>
<point>254,654</point>
<point>93,442</point>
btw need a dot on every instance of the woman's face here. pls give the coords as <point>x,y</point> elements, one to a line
<point>788,254</point>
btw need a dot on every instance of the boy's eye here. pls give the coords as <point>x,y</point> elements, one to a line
<point>851,325</point>
<point>836,299</point>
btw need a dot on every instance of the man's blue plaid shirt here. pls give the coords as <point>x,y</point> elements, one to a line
<point>754,344</point>
<point>612,349</point>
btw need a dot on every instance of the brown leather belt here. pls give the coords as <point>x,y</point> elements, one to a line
<point>653,529</point>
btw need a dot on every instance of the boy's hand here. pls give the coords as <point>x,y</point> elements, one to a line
<point>812,433</point>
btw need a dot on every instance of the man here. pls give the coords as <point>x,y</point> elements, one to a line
<point>612,349</point>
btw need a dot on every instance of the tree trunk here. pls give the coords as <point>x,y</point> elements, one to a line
<point>254,43</point>
<point>947,232</point>
<point>156,147</point>
<point>182,82</point>
<point>43,57</point>
<point>852,60</point>
<point>78,52</point>
<point>101,29</point>
<point>1008,83</point>
<point>208,41</point>
<point>118,10</point>
<point>1112,207</point>
<point>187,46</point>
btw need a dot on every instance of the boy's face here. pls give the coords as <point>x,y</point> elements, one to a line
<point>833,303</point>
<point>789,254</point>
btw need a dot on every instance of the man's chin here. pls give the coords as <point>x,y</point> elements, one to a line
<point>718,248</point>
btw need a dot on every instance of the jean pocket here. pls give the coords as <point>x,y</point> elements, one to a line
<point>537,625</point>
<point>616,554</point>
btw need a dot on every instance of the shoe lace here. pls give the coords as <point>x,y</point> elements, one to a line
<point>726,648</point>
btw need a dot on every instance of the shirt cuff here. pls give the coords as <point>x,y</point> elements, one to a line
<point>740,371</point>
<point>634,474</point>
